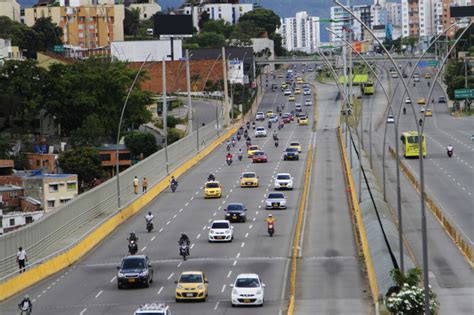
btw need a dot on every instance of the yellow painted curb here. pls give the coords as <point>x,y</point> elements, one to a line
<point>362,238</point>
<point>36,274</point>
<point>446,224</point>
<point>291,306</point>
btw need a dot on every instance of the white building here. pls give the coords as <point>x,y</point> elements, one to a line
<point>147,10</point>
<point>300,33</point>
<point>394,11</point>
<point>229,11</point>
<point>10,8</point>
<point>137,51</point>
<point>9,52</point>
<point>361,11</point>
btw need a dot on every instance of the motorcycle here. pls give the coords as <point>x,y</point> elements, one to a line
<point>173,186</point>
<point>211,178</point>
<point>246,134</point>
<point>228,147</point>
<point>450,151</point>
<point>238,137</point>
<point>132,247</point>
<point>240,156</point>
<point>248,142</point>
<point>271,229</point>
<point>183,250</point>
<point>24,310</point>
<point>276,143</point>
<point>253,126</point>
<point>229,161</point>
<point>149,226</point>
<point>269,125</point>
<point>280,126</point>
<point>275,137</point>
<point>233,143</point>
<point>248,124</point>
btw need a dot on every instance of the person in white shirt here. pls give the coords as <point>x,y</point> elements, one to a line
<point>21,258</point>
<point>149,217</point>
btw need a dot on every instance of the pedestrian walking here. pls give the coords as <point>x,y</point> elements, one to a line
<point>135,185</point>
<point>21,258</point>
<point>144,185</point>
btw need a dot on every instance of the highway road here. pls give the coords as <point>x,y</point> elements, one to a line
<point>450,275</point>
<point>89,287</point>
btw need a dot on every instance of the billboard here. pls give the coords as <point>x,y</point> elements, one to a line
<point>173,25</point>
<point>458,12</point>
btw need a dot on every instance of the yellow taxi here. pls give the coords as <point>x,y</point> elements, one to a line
<point>249,179</point>
<point>283,86</point>
<point>291,98</point>
<point>251,149</point>
<point>280,75</point>
<point>269,113</point>
<point>212,189</point>
<point>299,80</point>
<point>192,285</point>
<point>297,91</point>
<point>427,76</point>
<point>296,145</point>
<point>421,101</point>
<point>303,121</point>
<point>428,113</point>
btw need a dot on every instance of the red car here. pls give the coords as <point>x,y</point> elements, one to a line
<point>290,115</point>
<point>286,119</point>
<point>259,156</point>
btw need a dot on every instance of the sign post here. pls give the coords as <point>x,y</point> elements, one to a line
<point>460,94</point>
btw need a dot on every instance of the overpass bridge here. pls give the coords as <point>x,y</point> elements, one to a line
<point>317,59</point>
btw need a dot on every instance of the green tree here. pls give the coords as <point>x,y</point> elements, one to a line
<point>203,18</point>
<point>174,135</point>
<point>263,18</point>
<point>131,21</point>
<point>141,143</point>
<point>209,40</point>
<point>91,133</point>
<point>244,31</point>
<point>5,149</point>
<point>83,161</point>
<point>218,27</point>
<point>278,45</point>
<point>454,76</point>
<point>50,34</point>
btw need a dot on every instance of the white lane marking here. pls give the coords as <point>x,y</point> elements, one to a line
<point>198,236</point>
<point>34,300</point>
<point>210,220</point>
<point>171,275</point>
<point>49,287</point>
<point>256,213</point>
<point>161,230</point>
<point>219,208</point>
<point>192,198</point>
<point>192,245</point>
<point>143,249</point>
<point>223,288</point>
<point>181,210</point>
<point>38,296</point>
<point>187,204</point>
<point>98,294</point>
<point>223,201</point>
<point>243,244</point>
<point>250,227</point>
<point>113,279</point>
<point>246,235</point>
<point>216,306</point>
<point>253,220</point>
<point>152,239</point>
<point>83,311</point>
<point>174,217</point>
<point>230,190</point>
<point>260,207</point>
<point>44,291</point>
<point>179,265</point>
<point>204,227</point>
<point>235,263</point>
<point>215,213</point>
<point>229,273</point>
<point>238,255</point>
<point>168,223</point>
<point>159,291</point>
<point>197,192</point>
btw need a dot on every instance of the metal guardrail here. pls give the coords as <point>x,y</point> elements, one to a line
<point>66,225</point>
<point>317,58</point>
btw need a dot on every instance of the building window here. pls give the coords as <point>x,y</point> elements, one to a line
<point>105,157</point>
<point>50,203</point>
<point>124,156</point>
<point>71,186</point>
<point>12,222</point>
<point>63,201</point>
<point>53,187</point>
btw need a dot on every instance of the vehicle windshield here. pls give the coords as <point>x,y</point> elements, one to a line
<point>235,207</point>
<point>247,283</point>
<point>249,175</point>
<point>133,263</point>
<point>220,225</point>
<point>212,185</point>
<point>275,196</point>
<point>259,153</point>
<point>260,129</point>
<point>254,147</point>
<point>294,144</point>
<point>413,139</point>
<point>291,150</point>
<point>190,278</point>
<point>283,176</point>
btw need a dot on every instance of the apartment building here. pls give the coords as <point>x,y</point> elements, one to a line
<point>11,9</point>
<point>228,10</point>
<point>147,8</point>
<point>85,25</point>
<point>345,21</point>
<point>300,33</point>
<point>9,52</point>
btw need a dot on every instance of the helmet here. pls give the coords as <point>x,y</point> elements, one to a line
<point>149,212</point>
<point>27,297</point>
<point>270,215</point>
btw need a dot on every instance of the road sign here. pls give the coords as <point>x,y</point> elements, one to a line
<point>463,93</point>
<point>428,63</point>
<point>58,48</point>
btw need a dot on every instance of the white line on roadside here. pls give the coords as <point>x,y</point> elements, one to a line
<point>192,198</point>
<point>243,244</point>
<point>38,296</point>
<point>161,230</point>
<point>254,218</point>
<point>83,311</point>
<point>250,226</point>
<point>98,294</point>
<point>143,249</point>
<point>204,227</point>
<point>186,204</point>
<point>179,265</point>
<point>171,275</point>
<point>238,255</point>
<point>215,213</point>
<point>198,236</point>
<point>192,245</point>
<point>113,279</point>
<point>257,212</point>
<point>159,291</point>
<point>197,192</point>
<point>229,273</point>
<point>181,210</point>
<point>34,300</point>
<point>246,235</point>
<point>219,208</point>
<point>223,288</point>
<point>235,263</point>
<point>216,306</point>
<point>168,223</point>
<point>152,239</point>
<point>174,217</point>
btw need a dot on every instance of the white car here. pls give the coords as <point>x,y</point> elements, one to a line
<point>247,289</point>
<point>422,109</point>
<point>221,231</point>
<point>283,181</point>
<point>260,132</point>
<point>153,309</point>
<point>298,108</point>
<point>408,100</point>
<point>416,79</point>
<point>307,102</point>
<point>273,118</point>
<point>260,116</point>
<point>390,119</point>
<point>287,92</point>
<point>394,75</point>
<point>307,92</point>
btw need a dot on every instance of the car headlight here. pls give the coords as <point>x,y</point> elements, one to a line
<point>227,231</point>
<point>120,275</point>
<point>235,292</point>
<point>200,287</point>
<point>179,287</point>
<point>144,273</point>
<point>211,232</point>
<point>268,203</point>
<point>259,292</point>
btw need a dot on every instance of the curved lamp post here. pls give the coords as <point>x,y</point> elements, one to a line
<point>117,168</point>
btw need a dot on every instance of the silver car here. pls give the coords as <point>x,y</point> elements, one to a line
<point>275,201</point>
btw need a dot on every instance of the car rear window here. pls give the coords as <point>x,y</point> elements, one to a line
<point>212,185</point>
<point>233,207</point>
<point>259,153</point>
<point>247,283</point>
<point>249,175</point>
<point>133,263</point>
<point>275,196</point>
<point>291,150</point>
<point>294,143</point>
<point>220,225</point>
<point>190,278</point>
<point>283,177</point>
<point>260,129</point>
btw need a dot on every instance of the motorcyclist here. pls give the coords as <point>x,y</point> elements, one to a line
<point>228,156</point>
<point>275,135</point>
<point>228,143</point>
<point>246,134</point>
<point>420,122</point>
<point>248,124</point>
<point>184,239</point>
<point>404,110</point>
<point>450,150</point>
<point>211,177</point>
<point>269,124</point>
<point>270,220</point>
<point>132,237</point>
<point>248,141</point>
<point>276,142</point>
<point>239,154</point>
<point>149,217</point>
<point>173,181</point>
<point>26,304</point>
<point>253,124</point>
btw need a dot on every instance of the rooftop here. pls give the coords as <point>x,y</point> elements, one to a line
<point>39,174</point>
<point>9,188</point>
<point>108,147</point>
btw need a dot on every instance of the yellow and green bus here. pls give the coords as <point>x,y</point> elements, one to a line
<point>410,140</point>
<point>368,88</point>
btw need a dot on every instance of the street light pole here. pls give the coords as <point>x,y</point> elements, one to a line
<point>188,85</point>
<point>165,114</point>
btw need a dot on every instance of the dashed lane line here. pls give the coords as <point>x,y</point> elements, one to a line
<point>98,294</point>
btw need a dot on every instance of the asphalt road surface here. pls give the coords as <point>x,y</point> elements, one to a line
<point>89,287</point>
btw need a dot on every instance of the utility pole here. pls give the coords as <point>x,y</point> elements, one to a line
<point>165,114</point>
<point>188,85</point>
<point>226,120</point>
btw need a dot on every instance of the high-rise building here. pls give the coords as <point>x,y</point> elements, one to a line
<point>10,8</point>
<point>228,10</point>
<point>344,20</point>
<point>300,33</point>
